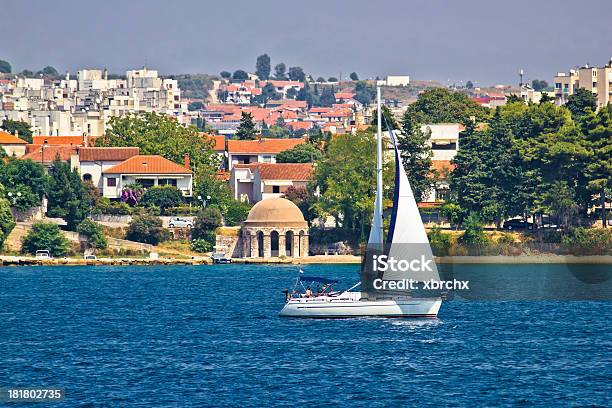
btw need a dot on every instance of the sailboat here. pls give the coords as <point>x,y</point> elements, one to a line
<point>384,291</point>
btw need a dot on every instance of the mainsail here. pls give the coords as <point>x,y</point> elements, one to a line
<point>406,238</point>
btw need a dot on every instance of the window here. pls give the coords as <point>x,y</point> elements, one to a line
<point>111,182</point>
<point>145,183</point>
<point>167,182</point>
<point>86,177</point>
<point>276,189</point>
<point>267,159</point>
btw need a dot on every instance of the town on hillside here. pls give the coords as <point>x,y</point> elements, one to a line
<point>276,164</point>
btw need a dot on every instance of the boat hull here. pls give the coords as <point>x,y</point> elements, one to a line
<point>329,307</point>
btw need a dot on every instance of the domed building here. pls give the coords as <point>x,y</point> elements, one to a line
<point>275,227</point>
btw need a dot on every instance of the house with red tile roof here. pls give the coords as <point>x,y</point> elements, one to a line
<point>258,151</point>
<point>258,181</point>
<point>46,154</point>
<point>91,162</point>
<point>12,145</point>
<point>147,171</point>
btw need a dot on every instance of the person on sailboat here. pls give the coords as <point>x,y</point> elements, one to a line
<point>308,292</point>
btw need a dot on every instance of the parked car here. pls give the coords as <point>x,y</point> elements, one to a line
<point>90,257</point>
<point>220,258</point>
<point>43,254</point>
<point>517,223</point>
<point>177,222</point>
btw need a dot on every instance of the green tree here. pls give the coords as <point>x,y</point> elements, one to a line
<point>246,130</point>
<point>469,85</point>
<point>280,70</point>
<point>327,97</point>
<point>45,235</point>
<point>539,85</point>
<point>580,103</point>
<point>416,157</point>
<point>504,176</point>
<point>302,153</point>
<point>305,199</point>
<point>147,229</point>
<point>7,223</point>
<point>559,201</point>
<point>163,197</point>
<point>263,67</point>
<point>473,234</point>
<point>440,105</point>
<point>158,134</point>
<point>320,79</point>
<point>354,76</point>
<point>67,195</point>
<point>49,72</point>
<point>297,74</point>
<point>467,178</point>
<point>514,98</point>
<point>19,175</point>
<point>5,67</point>
<point>364,92</point>
<point>267,92</point>
<point>206,222</point>
<point>18,128</point>
<point>346,176</point>
<point>240,75</point>
<point>93,232</point>
<point>225,74</point>
<point>598,133</point>
<point>236,212</point>
<point>332,79</point>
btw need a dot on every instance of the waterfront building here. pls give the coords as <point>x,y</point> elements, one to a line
<point>274,227</point>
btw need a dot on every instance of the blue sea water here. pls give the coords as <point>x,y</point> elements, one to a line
<point>210,336</point>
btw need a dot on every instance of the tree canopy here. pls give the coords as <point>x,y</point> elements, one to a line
<point>240,75</point>
<point>158,134</point>
<point>280,71</point>
<point>5,67</point>
<point>440,105</point>
<point>302,153</point>
<point>18,128</point>
<point>68,197</point>
<point>262,67</point>
<point>246,129</point>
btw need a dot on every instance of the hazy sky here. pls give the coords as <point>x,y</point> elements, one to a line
<point>487,41</point>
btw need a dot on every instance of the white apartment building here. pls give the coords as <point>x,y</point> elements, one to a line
<point>596,80</point>
<point>444,139</point>
<point>85,105</point>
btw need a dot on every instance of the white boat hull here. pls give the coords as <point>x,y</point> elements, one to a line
<point>352,306</point>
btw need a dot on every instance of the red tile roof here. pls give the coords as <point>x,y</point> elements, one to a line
<point>218,141</point>
<point>300,125</point>
<point>8,139</point>
<point>64,140</point>
<point>47,154</point>
<point>442,166</point>
<point>262,145</point>
<point>107,153</point>
<point>148,165</point>
<point>281,171</point>
<point>344,95</point>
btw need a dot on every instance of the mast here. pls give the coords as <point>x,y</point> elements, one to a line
<point>379,167</point>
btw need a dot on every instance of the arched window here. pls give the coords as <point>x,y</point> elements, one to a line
<point>86,177</point>
<point>289,243</point>
<point>260,244</point>
<point>274,243</point>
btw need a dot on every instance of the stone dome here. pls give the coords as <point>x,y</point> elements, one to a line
<point>276,212</point>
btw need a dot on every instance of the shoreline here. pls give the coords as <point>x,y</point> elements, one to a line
<point>317,259</point>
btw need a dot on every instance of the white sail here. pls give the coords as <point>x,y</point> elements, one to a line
<point>407,238</point>
<point>376,232</point>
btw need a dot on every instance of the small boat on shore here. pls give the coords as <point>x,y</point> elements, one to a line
<point>394,273</point>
